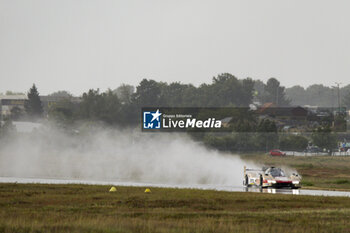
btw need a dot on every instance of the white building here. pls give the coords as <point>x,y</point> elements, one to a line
<point>8,102</point>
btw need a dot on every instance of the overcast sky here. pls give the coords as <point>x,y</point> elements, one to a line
<point>77,45</point>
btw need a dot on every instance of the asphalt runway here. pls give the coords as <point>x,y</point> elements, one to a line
<point>204,187</point>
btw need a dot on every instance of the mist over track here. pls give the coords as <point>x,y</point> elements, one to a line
<point>121,155</point>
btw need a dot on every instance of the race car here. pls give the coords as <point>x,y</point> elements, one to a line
<point>270,177</point>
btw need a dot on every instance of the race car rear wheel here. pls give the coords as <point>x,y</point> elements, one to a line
<point>261,181</point>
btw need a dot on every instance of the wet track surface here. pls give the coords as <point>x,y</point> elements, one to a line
<point>205,187</point>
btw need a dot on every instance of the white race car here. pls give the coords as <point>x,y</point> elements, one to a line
<point>270,177</point>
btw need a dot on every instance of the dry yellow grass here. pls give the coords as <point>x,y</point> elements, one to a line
<point>87,208</point>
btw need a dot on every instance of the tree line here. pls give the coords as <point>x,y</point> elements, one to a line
<point>319,95</point>
<point>121,107</point>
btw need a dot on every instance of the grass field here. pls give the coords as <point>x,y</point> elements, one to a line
<point>319,172</point>
<point>88,208</point>
<point>91,208</point>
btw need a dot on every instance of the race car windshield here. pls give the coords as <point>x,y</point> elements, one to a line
<point>276,172</point>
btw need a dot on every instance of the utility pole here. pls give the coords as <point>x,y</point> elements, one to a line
<point>332,98</point>
<point>338,84</point>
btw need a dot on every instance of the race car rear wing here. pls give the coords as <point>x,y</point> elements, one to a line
<point>252,169</point>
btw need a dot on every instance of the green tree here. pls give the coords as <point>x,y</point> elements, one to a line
<point>62,94</point>
<point>148,93</point>
<point>276,93</point>
<point>298,95</point>
<point>226,90</point>
<point>124,93</point>
<point>267,126</point>
<point>243,120</point>
<point>175,95</point>
<point>324,138</point>
<point>293,142</point>
<point>33,105</point>
<point>259,89</point>
<point>62,112</point>
<point>246,97</point>
<point>321,96</point>
<point>89,106</point>
<point>14,93</point>
<point>346,100</point>
<point>104,107</point>
<point>16,113</point>
<point>267,136</point>
<point>316,95</point>
<point>111,106</point>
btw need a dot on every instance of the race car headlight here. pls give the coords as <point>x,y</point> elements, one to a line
<point>296,182</point>
<point>271,181</point>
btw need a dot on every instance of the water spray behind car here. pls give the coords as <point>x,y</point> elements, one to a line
<point>117,155</point>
